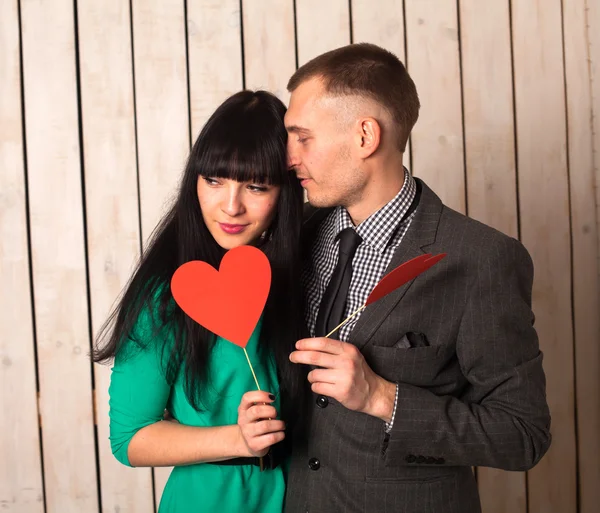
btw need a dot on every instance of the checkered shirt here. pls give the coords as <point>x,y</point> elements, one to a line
<point>381,234</point>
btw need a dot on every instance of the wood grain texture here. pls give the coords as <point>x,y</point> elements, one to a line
<point>20,464</point>
<point>320,27</point>
<point>111,210</point>
<point>434,65</point>
<point>584,239</point>
<point>593,38</point>
<point>215,56</point>
<point>161,97</point>
<point>58,256</point>
<point>269,48</point>
<point>544,219</point>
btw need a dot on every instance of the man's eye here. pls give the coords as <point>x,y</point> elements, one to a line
<point>258,188</point>
<point>302,141</point>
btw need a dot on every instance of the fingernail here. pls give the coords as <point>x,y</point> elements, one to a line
<point>272,397</point>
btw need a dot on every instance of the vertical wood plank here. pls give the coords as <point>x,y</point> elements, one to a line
<point>58,256</point>
<point>593,37</point>
<point>269,48</point>
<point>488,113</point>
<point>161,98</point>
<point>584,237</point>
<point>112,209</point>
<point>320,27</point>
<point>490,163</point>
<point>215,54</point>
<point>544,219</point>
<point>434,64</point>
<point>161,103</point>
<point>381,23</point>
<point>20,464</point>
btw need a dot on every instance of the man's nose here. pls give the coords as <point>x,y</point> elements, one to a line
<point>293,160</point>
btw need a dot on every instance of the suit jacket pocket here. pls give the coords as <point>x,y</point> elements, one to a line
<point>415,366</point>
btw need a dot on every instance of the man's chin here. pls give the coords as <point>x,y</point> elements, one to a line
<point>318,201</point>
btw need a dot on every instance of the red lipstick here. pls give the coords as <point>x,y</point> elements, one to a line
<point>232,229</point>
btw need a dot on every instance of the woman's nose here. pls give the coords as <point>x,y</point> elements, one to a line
<point>233,204</point>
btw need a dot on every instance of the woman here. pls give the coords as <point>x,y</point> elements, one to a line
<point>235,190</point>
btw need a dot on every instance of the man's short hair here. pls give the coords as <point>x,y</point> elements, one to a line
<point>366,70</point>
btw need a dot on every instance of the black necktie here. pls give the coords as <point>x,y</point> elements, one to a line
<point>333,303</point>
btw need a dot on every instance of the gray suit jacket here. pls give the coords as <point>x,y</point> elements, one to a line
<point>460,342</point>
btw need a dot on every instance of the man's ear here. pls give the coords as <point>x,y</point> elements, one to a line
<point>368,136</point>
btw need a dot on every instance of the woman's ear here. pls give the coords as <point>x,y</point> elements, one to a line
<point>368,136</point>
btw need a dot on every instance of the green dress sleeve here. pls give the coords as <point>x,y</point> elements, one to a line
<point>139,390</point>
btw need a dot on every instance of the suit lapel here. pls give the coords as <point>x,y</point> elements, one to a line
<point>421,233</point>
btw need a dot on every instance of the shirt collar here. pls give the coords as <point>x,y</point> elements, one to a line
<point>378,229</point>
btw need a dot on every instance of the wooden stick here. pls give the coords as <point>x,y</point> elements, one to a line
<point>261,458</point>
<point>345,320</point>
<point>251,368</point>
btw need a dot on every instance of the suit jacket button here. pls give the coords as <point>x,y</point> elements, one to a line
<point>314,464</point>
<point>430,460</point>
<point>420,459</point>
<point>440,461</point>
<point>322,401</point>
<point>411,458</point>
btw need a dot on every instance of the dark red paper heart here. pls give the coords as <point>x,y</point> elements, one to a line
<point>230,301</point>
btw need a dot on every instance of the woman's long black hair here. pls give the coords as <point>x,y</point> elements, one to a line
<point>244,140</point>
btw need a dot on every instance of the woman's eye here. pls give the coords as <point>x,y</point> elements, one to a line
<point>301,141</point>
<point>210,181</point>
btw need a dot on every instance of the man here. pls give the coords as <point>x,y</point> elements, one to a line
<point>444,373</point>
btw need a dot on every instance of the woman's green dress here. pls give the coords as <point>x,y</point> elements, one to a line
<point>139,393</point>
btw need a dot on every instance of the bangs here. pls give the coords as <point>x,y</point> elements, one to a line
<point>242,165</point>
<point>247,144</point>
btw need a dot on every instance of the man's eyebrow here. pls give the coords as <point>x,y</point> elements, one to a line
<point>295,129</point>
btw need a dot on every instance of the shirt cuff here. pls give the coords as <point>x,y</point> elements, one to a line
<point>388,427</point>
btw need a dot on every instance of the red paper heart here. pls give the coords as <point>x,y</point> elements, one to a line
<point>230,301</point>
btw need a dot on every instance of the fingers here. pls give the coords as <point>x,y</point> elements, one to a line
<point>260,433</point>
<point>324,352</point>
<point>330,390</point>
<point>264,427</point>
<point>260,411</point>
<point>259,445</point>
<point>316,358</point>
<point>322,344</point>
<point>249,399</point>
<point>324,376</point>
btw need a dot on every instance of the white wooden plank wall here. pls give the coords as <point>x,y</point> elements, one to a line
<point>99,103</point>
<point>321,26</point>
<point>113,233</point>
<point>20,465</point>
<point>584,243</point>
<point>434,64</point>
<point>214,38</point>
<point>58,255</point>
<point>269,48</point>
